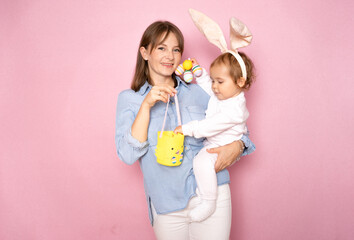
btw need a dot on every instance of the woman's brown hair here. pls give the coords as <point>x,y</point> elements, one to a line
<point>155,34</point>
<point>235,70</point>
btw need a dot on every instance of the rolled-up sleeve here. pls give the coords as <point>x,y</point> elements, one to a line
<point>129,149</point>
<point>249,145</point>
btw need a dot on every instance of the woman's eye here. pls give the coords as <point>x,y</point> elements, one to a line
<point>161,48</point>
<point>177,50</point>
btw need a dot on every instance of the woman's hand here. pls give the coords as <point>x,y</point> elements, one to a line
<point>227,154</point>
<point>159,93</point>
<point>140,125</point>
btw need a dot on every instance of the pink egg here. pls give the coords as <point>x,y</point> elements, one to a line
<point>188,76</point>
<point>179,71</point>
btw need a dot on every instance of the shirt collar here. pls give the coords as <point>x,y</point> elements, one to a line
<point>180,81</point>
<point>148,86</point>
<point>144,88</point>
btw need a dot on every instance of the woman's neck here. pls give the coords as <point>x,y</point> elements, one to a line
<point>163,81</point>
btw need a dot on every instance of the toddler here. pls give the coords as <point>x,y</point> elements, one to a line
<point>225,122</point>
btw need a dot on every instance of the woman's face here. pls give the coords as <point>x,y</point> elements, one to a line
<point>164,59</point>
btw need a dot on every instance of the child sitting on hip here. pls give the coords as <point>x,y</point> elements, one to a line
<point>225,122</point>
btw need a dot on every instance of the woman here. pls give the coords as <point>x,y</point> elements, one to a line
<point>170,191</point>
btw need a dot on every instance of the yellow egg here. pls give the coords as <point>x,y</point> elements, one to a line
<point>187,64</point>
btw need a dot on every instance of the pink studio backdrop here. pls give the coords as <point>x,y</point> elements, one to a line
<point>63,63</point>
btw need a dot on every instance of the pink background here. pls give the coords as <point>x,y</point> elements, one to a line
<point>63,63</point>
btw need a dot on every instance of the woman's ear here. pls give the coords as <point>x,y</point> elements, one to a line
<point>241,82</point>
<point>144,53</point>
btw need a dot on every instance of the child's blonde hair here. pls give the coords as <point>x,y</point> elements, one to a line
<point>234,67</point>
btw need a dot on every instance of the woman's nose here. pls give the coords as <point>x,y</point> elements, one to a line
<point>170,55</point>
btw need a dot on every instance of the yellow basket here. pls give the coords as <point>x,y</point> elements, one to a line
<point>169,149</point>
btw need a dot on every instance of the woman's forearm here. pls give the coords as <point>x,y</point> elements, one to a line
<point>141,123</point>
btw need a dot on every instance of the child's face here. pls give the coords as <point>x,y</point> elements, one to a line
<point>223,85</point>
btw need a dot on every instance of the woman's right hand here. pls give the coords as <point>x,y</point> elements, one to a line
<point>140,125</point>
<point>159,93</point>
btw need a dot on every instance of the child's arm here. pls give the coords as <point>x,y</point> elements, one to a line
<point>204,81</point>
<point>215,124</point>
<point>178,129</point>
<point>210,126</point>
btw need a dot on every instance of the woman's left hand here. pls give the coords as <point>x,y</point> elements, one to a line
<point>227,154</point>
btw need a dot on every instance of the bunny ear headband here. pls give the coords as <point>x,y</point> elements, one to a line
<point>240,36</point>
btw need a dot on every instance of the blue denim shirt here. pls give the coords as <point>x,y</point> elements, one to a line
<point>168,188</point>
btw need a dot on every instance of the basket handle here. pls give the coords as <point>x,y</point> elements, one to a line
<point>178,114</point>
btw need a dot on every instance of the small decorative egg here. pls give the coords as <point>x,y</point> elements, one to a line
<point>188,76</point>
<point>197,70</point>
<point>187,64</point>
<point>179,71</point>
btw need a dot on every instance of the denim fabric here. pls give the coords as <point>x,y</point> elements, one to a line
<point>169,188</point>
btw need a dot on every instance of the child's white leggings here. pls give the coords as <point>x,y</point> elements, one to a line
<point>176,225</point>
<point>204,171</point>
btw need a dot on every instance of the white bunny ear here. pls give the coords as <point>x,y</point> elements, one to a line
<point>210,29</point>
<point>240,35</point>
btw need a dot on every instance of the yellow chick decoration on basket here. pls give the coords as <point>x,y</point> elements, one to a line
<point>187,68</point>
<point>169,150</point>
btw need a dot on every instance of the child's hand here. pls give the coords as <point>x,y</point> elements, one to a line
<point>194,61</point>
<point>178,130</point>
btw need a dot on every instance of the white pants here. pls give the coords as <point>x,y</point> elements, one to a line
<point>204,171</point>
<point>176,225</point>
